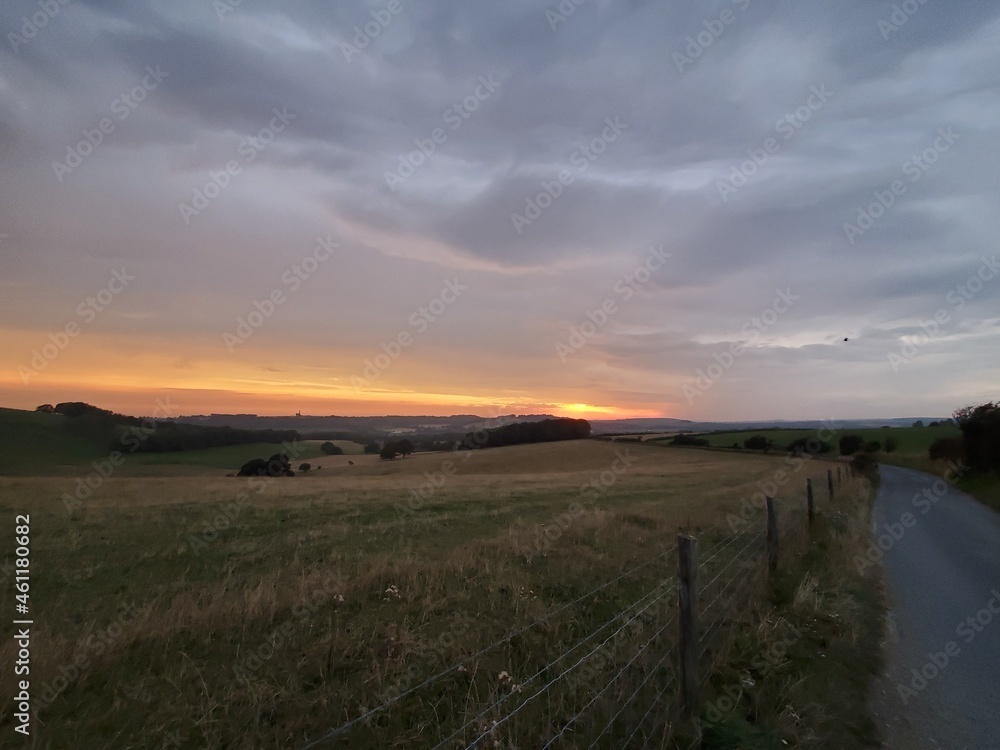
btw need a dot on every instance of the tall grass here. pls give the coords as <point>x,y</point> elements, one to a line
<point>321,600</point>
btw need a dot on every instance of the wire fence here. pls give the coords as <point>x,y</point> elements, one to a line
<point>618,684</point>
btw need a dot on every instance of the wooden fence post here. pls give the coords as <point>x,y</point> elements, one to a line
<point>829,482</point>
<point>810,505</point>
<point>687,618</point>
<point>772,537</point>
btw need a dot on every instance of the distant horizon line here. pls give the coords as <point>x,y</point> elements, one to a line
<point>535,414</point>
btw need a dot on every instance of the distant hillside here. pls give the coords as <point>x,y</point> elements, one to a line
<point>618,426</point>
<point>544,431</point>
<point>30,441</point>
<point>74,433</point>
<point>372,426</point>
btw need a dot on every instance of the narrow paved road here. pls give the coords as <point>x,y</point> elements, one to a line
<point>941,552</point>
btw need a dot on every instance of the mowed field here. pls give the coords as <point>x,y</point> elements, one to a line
<point>912,440</point>
<point>185,609</point>
<point>232,457</point>
<point>38,444</point>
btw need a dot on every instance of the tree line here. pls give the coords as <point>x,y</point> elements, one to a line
<point>154,435</point>
<point>544,431</point>
<point>979,444</point>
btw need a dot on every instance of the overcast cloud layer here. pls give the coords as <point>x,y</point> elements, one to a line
<point>794,173</point>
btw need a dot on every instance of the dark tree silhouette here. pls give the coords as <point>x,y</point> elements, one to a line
<point>692,440</point>
<point>980,426</point>
<point>331,450</point>
<point>948,448</point>
<point>810,445</point>
<point>276,466</point>
<point>850,444</point>
<point>544,431</point>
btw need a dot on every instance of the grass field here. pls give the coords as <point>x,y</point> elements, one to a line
<point>37,444</point>
<point>184,610</point>
<point>911,440</point>
<point>231,457</point>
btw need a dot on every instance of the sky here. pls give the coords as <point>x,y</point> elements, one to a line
<point>712,211</point>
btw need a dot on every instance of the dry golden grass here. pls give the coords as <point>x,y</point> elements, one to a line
<point>798,675</point>
<point>232,613</point>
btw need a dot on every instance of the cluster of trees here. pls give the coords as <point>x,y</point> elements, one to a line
<point>811,445</point>
<point>758,443</point>
<point>373,442</point>
<point>851,444</point>
<point>684,439</point>
<point>154,435</point>
<point>980,426</point>
<point>277,465</point>
<point>544,431</point>
<point>952,449</point>
<point>391,449</point>
<point>331,450</point>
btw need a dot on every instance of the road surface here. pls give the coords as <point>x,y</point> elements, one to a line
<point>940,549</point>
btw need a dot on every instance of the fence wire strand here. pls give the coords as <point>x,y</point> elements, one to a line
<point>628,701</point>
<point>551,682</point>
<point>735,559</point>
<point>561,657</point>
<point>734,575</point>
<point>336,731</point>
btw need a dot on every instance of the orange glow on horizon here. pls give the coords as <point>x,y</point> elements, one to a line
<point>127,374</point>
